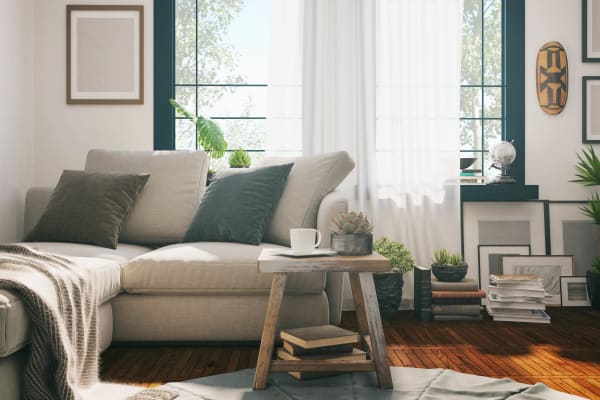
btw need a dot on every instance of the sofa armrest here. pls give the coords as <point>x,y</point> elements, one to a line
<point>36,200</point>
<point>332,204</point>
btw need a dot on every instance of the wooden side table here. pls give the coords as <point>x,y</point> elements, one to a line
<point>360,269</point>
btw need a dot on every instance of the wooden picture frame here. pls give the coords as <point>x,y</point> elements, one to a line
<point>486,257</point>
<point>590,121</point>
<point>105,54</point>
<point>551,268</point>
<point>573,233</point>
<point>573,291</point>
<point>590,30</point>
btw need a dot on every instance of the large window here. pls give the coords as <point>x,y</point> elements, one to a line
<point>482,117</point>
<point>221,61</point>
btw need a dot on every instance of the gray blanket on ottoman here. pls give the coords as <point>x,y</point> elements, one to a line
<point>61,302</point>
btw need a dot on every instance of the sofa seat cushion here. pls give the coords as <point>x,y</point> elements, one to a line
<point>122,254</point>
<point>14,321</point>
<point>209,268</point>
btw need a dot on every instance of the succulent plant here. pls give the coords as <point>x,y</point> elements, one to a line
<point>400,258</point>
<point>350,224</point>
<point>239,159</point>
<point>444,257</point>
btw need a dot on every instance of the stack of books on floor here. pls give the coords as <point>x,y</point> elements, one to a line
<point>324,342</point>
<point>456,301</point>
<point>517,298</point>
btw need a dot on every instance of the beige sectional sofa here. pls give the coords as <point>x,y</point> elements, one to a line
<point>190,292</point>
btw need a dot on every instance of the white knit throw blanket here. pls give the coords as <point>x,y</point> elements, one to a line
<point>61,301</point>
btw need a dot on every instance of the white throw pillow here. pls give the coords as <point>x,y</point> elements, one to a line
<point>310,179</point>
<point>168,202</point>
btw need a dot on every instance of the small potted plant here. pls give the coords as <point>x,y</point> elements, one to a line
<point>351,234</point>
<point>388,285</point>
<point>239,159</point>
<point>448,267</point>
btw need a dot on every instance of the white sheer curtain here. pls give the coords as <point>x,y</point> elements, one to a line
<point>380,79</point>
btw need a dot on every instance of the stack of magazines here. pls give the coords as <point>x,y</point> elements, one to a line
<point>517,298</point>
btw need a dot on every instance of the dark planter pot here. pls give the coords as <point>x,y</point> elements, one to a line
<point>352,245</point>
<point>449,273</point>
<point>388,286</point>
<point>593,286</point>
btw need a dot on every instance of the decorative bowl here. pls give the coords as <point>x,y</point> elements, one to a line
<point>449,273</point>
<point>466,162</point>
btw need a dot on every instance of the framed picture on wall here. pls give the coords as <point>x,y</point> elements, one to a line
<point>551,268</point>
<point>573,291</point>
<point>105,54</point>
<point>490,260</point>
<point>590,34</point>
<point>591,103</point>
<point>571,232</point>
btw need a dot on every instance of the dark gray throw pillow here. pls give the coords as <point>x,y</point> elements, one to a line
<point>88,208</point>
<point>236,208</point>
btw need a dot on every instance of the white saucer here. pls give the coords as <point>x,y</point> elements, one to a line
<point>314,253</point>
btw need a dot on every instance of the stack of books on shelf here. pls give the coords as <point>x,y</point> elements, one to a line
<point>456,301</point>
<point>324,342</point>
<point>517,298</point>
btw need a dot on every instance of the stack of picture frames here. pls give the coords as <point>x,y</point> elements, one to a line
<point>547,238</point>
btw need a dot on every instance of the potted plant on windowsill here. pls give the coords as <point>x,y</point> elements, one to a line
<point>588,174</point>
<point>210,136</point>
<point>239,159</point>
<point>448,267</point>
<point>388,285</point>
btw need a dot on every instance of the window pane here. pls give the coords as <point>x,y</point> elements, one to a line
<point>185,37</point>
<point>233,41</point>
<point>470,134</point>
<point>185,135</point>
<point>233,101</point>
<point>471,56</point>
<point>470,102</point>
<point>244,134</point>
<point>186,97</point>
<point>493,133</point>
<point>493,42</point>
<point>493,102</point>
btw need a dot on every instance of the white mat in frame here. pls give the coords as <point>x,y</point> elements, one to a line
<point>498,223</point>
<point>490,260</point>
<point>551,268</point>
<point>573,291</point>
<point>571,232</point>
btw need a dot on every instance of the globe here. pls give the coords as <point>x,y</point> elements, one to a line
<point>503,154</point>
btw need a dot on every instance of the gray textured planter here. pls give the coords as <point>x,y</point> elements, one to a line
<point>449,273</point>
<point>388,286</point>
<point>352,245</point>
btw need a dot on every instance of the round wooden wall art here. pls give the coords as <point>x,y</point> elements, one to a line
<point>552,73</point>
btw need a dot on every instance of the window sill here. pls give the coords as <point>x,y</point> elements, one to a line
<point>499,192</point>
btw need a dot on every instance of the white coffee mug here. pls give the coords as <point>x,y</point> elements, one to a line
<point>303,240</point>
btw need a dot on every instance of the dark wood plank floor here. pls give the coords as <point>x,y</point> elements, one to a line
<point>564,355</point>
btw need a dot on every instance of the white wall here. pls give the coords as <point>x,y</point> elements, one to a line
<point>553,141</point>
<point>16,113</point>
<point>64,133</point>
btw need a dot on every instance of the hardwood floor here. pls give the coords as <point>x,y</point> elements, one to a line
<point>564,355</point>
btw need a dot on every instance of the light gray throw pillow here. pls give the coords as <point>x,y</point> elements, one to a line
<point>311,178</point>
<point>88,208</point>
<point>171,197</point>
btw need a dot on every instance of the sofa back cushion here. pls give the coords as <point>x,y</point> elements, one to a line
<point>310,179</point>
<point>169,200</point>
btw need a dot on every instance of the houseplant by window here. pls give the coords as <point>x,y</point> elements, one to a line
<point>448,267</point>
<point>388,285</point>
<point>210,136</point>
<point>239,159</point>
<point>588,174</point>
